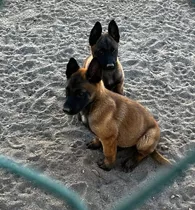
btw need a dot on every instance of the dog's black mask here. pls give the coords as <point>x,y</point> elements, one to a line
<point>75,103</point>
<point>76,96</point>
<point>105,47</point>
<point>106,51</point>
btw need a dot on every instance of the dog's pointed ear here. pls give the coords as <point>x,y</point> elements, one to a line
<point>72,67</point>
<point>113,30</point>
<point>94,71</point>
<point>95,34</point>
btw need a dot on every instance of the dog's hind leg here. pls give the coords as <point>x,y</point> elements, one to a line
<point>145,146</point>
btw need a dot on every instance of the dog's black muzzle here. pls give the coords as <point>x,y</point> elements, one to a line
<point>68,110</point>
<point>71,105</point>
<point>74,104</point>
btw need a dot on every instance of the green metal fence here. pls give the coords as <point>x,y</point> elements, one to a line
<point>72,199</point>
<point>1,3</point>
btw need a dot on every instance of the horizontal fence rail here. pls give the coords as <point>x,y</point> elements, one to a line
<point>45,182</point>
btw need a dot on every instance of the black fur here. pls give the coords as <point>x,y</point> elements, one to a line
<point>71,67</point>
<point>76,96</point>
<point>113,30</point>
<point>95,33</point>
<point>105,49</point>
<point>94,72</point>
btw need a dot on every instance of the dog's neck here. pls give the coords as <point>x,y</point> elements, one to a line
<point>100,94</point>
<point>100,90</point>
<point>97,95</point>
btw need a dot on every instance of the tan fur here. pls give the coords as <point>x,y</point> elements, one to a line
<point>119,121</point>
<point>82,71</point>
<point>87,61</point>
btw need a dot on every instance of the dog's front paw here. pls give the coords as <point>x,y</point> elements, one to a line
<point>128,165</point>
<point>103,166</point>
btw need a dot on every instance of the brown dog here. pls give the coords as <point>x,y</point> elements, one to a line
<point>113,118</point>
<point>105,48</point>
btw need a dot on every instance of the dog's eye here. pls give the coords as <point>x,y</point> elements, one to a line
<point>80,93</point>
<point>112,50</point>
<point>101,52</point>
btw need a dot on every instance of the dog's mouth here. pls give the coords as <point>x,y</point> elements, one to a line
<point>74,104</point>
<point>70,110</point>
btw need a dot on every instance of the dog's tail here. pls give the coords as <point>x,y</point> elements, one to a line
<point>160,158</point>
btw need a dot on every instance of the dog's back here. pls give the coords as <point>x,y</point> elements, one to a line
<point>131,118</point>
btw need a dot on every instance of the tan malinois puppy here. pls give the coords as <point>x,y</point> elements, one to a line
<point>115,119</point>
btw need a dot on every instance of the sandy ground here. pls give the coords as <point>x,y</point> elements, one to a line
<point>157,49</point>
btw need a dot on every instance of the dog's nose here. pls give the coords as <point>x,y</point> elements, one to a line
<point>110,66</point>
<point>66,109</point>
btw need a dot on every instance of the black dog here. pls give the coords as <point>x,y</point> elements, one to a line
<point>105,48</point>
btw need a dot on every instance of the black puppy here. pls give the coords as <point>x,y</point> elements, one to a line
<point>105,48</point>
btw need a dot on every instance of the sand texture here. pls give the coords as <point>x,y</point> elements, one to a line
<point>157,51</point>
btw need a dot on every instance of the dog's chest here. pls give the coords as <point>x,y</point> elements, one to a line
<point>110,79</point>
<point>84,119</point>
